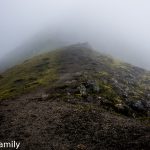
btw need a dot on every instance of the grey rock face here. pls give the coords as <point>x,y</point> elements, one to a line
<point>140,105</point>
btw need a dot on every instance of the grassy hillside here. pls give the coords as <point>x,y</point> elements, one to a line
<point>33,47</point>
<point>119,84</point>
<point>35,72</point>
<point>75,98</point>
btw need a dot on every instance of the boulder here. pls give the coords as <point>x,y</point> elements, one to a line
<point>138,105</point>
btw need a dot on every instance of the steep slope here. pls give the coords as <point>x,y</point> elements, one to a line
<point>75,98</point>
<point>35,47</point>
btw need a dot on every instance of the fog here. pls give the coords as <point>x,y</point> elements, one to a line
<point>117,27</point>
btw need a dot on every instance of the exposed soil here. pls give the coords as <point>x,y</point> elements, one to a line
<point>50,124</point>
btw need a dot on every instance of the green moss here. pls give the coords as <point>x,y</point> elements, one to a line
<point>109,93</point>
<point>103,74</point>
<point>40,70</point>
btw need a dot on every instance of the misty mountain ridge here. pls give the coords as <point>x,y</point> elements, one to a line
<point>75,97</point>
<point>39,44</point>
<point>45,41</point>
<point>67,61</point>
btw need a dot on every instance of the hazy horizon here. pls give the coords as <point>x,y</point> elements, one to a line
<point>118,28</point>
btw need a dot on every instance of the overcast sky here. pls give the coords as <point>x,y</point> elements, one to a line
<point>117,27</point>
